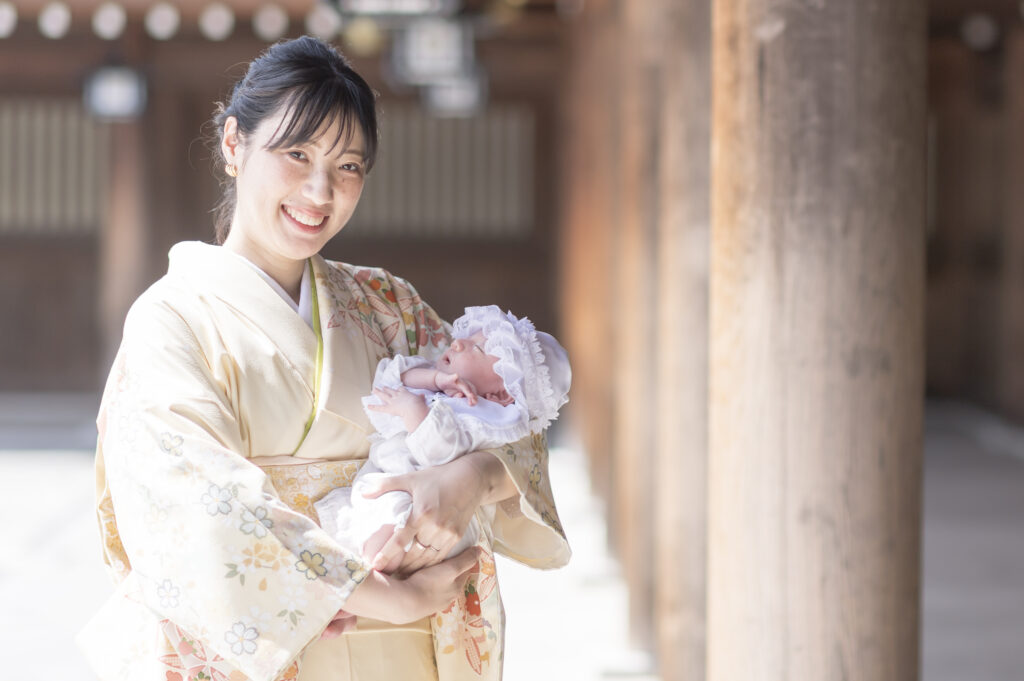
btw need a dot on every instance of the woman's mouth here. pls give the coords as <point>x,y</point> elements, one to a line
<point>305,220</point>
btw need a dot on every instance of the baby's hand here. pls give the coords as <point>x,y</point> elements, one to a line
<point>408,406</point>
<point>453,386</point>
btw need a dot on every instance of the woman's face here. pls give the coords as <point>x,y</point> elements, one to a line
<point>292,200</point>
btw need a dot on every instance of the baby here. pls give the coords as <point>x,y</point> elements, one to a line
<point>499,381</point>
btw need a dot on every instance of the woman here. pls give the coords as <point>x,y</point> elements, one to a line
<point>234,403</point>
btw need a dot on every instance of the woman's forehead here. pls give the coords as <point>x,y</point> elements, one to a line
<point>338,133</point>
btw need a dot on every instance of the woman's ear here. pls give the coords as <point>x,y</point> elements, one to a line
<point>230,142</point>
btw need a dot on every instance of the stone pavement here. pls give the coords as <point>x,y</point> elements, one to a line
<point>564,624</point>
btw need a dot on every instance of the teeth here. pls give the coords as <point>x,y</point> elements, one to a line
<point>303,218</point>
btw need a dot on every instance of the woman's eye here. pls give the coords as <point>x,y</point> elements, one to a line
<point>352,167</point>
<point>297,155</point>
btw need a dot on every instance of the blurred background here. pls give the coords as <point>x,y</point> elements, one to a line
<point>587,163</point>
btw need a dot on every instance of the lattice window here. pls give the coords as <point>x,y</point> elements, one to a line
<point>54,163</point>
<point>451,177</point>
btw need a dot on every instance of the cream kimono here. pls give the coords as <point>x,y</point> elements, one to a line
<point>224,418</point>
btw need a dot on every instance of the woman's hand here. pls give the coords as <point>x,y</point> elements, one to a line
<point>444,499</point>
<point>400,601</point>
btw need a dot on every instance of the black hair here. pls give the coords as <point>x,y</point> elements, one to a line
<point>315,85</point>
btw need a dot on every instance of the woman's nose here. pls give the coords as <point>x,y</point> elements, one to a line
<point>317,187</point>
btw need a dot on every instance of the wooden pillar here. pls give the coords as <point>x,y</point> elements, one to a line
<point>589,205</point>
<point>123,253</point>
<point>1011,338</point>
<point>636,295</point>
<point>817,299</point>
<point>683,230</point>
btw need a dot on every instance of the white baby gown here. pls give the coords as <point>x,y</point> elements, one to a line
<point>452,428</point>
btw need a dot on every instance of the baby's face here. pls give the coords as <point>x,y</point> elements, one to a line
<point>466,357</point>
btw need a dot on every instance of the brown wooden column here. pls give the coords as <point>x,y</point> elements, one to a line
<point>589,206</point>
<point>123,253</point>
<point>636,298</point>
<point>1011,337</point>
<point>683,186</point>
<point>817,299</point>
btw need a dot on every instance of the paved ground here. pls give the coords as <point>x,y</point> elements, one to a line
<point>567,624</point>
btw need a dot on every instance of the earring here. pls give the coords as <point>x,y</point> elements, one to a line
<point>231,169</point>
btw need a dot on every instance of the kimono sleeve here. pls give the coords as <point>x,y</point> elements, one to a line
<point>205,536</point>
<point>526,527</point>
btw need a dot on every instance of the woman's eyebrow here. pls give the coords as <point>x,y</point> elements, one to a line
<point>352,150</point>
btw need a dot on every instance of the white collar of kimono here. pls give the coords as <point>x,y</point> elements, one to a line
<point>305,305</point>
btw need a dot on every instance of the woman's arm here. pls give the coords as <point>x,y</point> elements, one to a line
<point>422,593</point>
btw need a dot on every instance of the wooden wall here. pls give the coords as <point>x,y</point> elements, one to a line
<point>165,189</point>
<point>976,228</point>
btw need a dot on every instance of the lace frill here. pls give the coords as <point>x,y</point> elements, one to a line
<point>524,355</point>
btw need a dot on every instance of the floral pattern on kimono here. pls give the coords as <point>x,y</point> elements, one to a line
<point>232,575</point>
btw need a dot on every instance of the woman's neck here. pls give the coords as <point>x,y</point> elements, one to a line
<point>286,272</point>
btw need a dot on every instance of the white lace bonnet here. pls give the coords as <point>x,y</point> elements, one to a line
<point>532,364</point>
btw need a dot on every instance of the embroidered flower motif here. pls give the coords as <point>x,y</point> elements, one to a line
<point>535,476</point>
<point>171,444</point>
<point>293,599</point>
<point>242,639</point>
<point>312,564</point>
<point>217,500</point>
<point>356,570</point>
<point>256,522</point>
<point>258,619</point>
<point>552,522</point>
<point>265,555</point>
<point>168,594</point>
<point>239,569</point>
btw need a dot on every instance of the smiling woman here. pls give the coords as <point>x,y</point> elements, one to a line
<point>296,197</point>
<point>296,144</point>
<point>234,404</point>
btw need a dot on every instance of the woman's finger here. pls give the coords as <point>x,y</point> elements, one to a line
<point>462,563</point>
<point>396,549</point>
<point>420,558</point>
